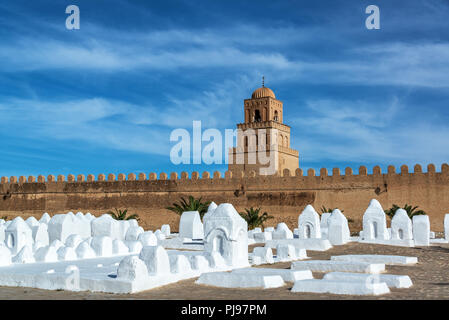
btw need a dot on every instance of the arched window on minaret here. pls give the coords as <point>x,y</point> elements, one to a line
<point>265,117</point>
<point>276,117</point>
<point>257,116</point>
<point>286,141</point>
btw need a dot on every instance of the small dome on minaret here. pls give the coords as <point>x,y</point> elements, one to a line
<point>263,91</point>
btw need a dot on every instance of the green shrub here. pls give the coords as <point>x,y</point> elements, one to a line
<point>191,205</point>
<point>411,211</point>
<point>121,215</point>
<point>253,218</point>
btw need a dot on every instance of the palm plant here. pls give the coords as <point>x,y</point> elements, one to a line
<point>323,209</point>
<point>411,211</point>
<point>191,205</point>
<point>4,218</point>
<point>253,218</point>
<point>121,215</point>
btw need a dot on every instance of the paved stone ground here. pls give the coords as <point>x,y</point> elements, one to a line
<point>430,281</point>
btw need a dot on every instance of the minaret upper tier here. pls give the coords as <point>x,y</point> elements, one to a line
<point>263,106</point>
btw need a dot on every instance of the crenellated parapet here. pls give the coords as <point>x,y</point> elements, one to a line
<point>196,177</point>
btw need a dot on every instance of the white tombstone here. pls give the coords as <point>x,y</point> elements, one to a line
<point>323,220</point>
<point>263,236</point>
<point>215,259</point>
<point>84,251</point>
<point>5,255</point>
<point>132,268</point>
<point>324,224</point>
<point>134,246</point>
<point>374,222</point>
<point>38,245</point>
<point>32,222</point>
<point>73,241</point>
<point>265,254</point>
<point>61,226</point>
<point>40,234</point>
<point>79,214</point>
<point>105,226</point>
<point>210,209</point>
<point>199,262</point>
<point>296,233</point>
<point>338,229</point>
<point>147,239</point>
<point>133,223</point>
<point>257,230</point>
<point>282,232</point>
<point>17,235</point>
<point>446,226</point>
<point>309,224</point>
<point>165,229</point>
<point>421,230</point>
<point>269,229</point>
<point>285,252</point>
<point>66,254</point>
<point>25,255</point>
<point>190,225</point>
<point>159,235</point>
<point>179,264</point>
<point>2,233</point>
<point>401,226</point>
<point>226,233</point>
<point>57,244</point>
<point>83,226</point>
<point>156,260</point>
<point>123,227</point>
<point>89,216</point>
<point>46,254</point>
<point>45,218</point>
<point>133,233</point>
<point>119,247</point>
<point>102,246</point>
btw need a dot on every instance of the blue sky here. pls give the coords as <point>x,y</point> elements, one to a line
<point>104,99</point>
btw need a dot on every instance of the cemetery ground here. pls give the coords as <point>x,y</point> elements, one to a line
<point>430,279</point>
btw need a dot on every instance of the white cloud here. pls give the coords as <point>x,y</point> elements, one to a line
<point>120,125</point>
<point>368,133</point>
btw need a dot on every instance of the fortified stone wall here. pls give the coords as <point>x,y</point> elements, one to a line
<point>282,196</point>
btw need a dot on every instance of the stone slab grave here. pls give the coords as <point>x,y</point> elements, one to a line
<point>240,280</point>
<point>392,280</point>
<point>287,252</point>
<point>308,244</point>
<point>377,258</point>
<point>345,266</point>
<point>287,275</point>
<point>340,287</point>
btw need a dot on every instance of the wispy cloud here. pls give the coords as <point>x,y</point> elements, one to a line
<point>369,132</point>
